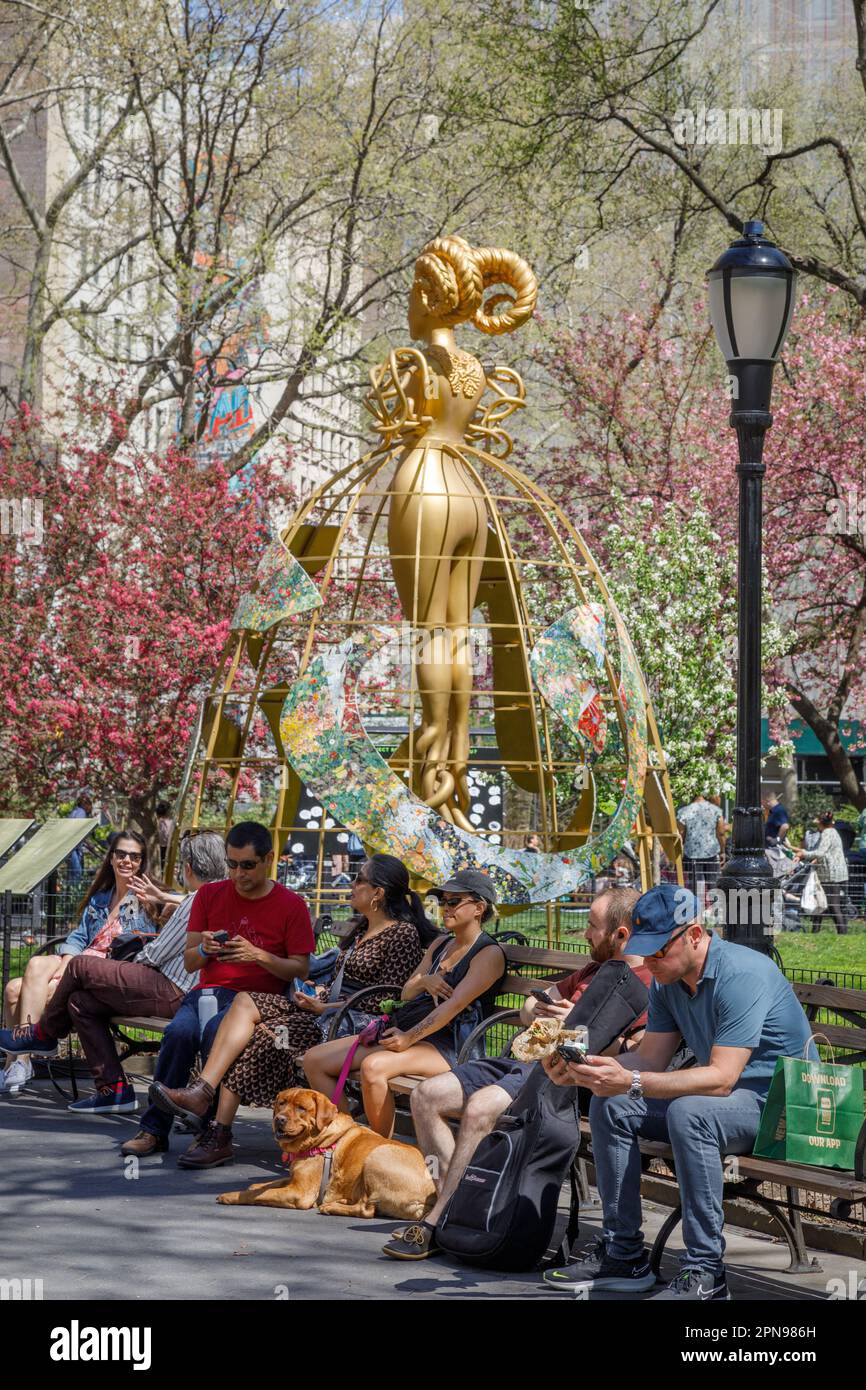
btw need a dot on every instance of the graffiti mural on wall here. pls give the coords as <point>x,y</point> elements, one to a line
<point>225,415</point>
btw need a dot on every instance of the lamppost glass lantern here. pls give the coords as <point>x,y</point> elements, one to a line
<point>752,292</point>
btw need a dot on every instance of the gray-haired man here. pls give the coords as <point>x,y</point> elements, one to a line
<point>94,988</point>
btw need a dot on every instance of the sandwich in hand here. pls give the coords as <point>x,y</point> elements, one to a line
<point>540,1039</point>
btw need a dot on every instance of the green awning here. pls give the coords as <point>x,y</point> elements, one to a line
<point>12,830</point>
<point>42,853</point>
<point>852,734</point>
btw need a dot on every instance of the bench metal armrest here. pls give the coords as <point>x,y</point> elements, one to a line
<point>46,946</point>
<point>504,1015</point>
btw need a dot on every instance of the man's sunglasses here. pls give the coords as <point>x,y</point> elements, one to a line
<point>246,864</point>
<point>662,952</point>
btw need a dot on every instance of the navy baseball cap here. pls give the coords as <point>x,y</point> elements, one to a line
<point>468,881</point>
<point>658,915</point>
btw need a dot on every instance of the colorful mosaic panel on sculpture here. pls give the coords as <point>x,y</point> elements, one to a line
<point>324,736</point>
<point>281,588</point>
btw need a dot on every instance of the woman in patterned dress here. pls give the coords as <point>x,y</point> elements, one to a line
<point>254,1051</point>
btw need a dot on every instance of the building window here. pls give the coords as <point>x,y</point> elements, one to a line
<point>816,771</point>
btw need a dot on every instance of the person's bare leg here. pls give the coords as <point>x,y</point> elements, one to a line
<point>480,1115</point>
<point>39,974</point>
<point>434,1101</point>
<point>35,988</point>
<point>322,1066</point>
<point>233,1035</point>
<point>11,1015</point>
<point>11,999</point>
<point>376,1071</point>
<point>227,1107</point>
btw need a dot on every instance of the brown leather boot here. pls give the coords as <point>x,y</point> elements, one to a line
<point>211,1149</point>
<point>143,1145</point>
<point>191,1102</point>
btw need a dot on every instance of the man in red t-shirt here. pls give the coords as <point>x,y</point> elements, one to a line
<point>478,1092</point>
<point>268,940</point>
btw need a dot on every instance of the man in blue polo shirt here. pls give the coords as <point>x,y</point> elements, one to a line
<point>736,1011</point>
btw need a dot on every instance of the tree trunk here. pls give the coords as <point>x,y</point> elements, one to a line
<point>142,817</point>
<point>827,734</point>
<point>31,361</point>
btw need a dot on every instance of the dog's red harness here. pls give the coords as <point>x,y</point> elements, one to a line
<point>309,1153</point>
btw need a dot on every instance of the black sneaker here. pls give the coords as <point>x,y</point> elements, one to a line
<point>696,1286</point>
<point>601,1272</point>
<point>586,1266</point>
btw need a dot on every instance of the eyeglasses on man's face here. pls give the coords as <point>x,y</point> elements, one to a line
<point>662,952</point>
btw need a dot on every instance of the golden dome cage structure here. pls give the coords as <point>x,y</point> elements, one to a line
<point>428,624</point>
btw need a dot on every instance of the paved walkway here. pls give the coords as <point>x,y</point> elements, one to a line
<point>72,1217</point>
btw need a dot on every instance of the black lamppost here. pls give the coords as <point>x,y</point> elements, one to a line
<point>751,290</point>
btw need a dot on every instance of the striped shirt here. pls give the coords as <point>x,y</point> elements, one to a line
<point>165,954</point>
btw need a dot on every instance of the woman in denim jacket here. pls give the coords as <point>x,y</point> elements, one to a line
<point>109,907</point>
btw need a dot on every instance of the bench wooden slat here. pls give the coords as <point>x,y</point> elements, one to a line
<point>566,961</point>
<point>404,1085</point>
<point>828,1180</point>
<point>825,1180</point>
<point>523,984</point>
<point>841,1035</point>
<point>831,997</point>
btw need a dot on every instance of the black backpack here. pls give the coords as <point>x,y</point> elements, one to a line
<point>503,1213</point>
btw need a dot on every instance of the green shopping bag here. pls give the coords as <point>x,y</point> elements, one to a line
<point>813,1113</point>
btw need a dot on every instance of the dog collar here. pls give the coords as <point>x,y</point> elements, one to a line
<point>308,1153</point>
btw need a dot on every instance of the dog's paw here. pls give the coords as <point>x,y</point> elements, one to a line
<point>229,1199</point>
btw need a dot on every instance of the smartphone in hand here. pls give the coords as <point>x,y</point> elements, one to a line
<point>570,1052</point>
<point>541,995</point>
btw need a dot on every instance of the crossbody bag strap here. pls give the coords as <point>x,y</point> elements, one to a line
<point>337,982</point>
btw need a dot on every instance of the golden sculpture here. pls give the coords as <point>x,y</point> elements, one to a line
<point>436,532</point>
<point>437,527</point>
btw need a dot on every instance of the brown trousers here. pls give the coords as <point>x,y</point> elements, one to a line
<point>90,991</point>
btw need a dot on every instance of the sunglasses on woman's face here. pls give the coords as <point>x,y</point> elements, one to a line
<point>132,855</point>
<point>458,902</point>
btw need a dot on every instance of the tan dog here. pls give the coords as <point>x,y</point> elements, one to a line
<point>370,1176</point>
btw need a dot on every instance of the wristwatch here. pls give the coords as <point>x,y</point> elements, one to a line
<point>635,1090</point>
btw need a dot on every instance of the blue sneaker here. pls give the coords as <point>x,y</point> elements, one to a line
<point>24,1039</point>
<point>106,1101</point>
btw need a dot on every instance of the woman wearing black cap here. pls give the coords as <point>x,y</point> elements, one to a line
<point>451,991</point>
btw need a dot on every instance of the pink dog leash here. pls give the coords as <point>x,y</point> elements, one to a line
<point>369,1035</point>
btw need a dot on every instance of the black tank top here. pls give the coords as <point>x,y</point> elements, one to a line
<point>486,1000</point>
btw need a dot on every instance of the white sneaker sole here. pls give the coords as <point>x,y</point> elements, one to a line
<point>104,1109</point>
<point>609,1285</point>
